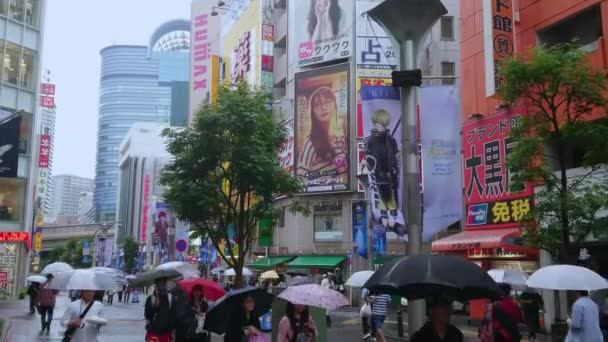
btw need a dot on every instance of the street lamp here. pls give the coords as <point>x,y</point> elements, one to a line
<point>407,23</point>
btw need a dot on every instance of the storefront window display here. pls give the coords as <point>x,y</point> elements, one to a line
<point>26,73</point>
<point>18,65</point>
<point>328,222</point>
<point>12,191</point>
<point>16,10</point>
<point>32,12</point>
<point>10,63</point>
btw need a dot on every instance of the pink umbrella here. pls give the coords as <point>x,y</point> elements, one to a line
<point>314,295</point>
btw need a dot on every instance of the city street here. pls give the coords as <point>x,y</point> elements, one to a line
<point>126,323</point>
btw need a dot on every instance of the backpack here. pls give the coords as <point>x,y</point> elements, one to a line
<point>507,326</point>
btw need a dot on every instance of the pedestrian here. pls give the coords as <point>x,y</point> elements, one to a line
<point>99,294</point>
<point>243,323</point>
<point>110,294</point>
<point>78,315</point>
<point>200,308</point>
<point>531,303</point>
<point>127,294</point>
<point>365,316</point>
<point>585,321</point>
<point>74,295</point>
<point>328,282</point>
<point>33,291</point>
<point>46,304</point>
<point>159,313</point>
<point>438,328</point>
<point>379,303</point>
<point>505,317</point>
<point>297,325</point>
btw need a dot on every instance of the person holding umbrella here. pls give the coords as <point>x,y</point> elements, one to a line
<point>159,313</point>
<point>585,321</point>
<point>506,315</point>
<point>438,327</point>
<point>83,317</point>
<point>297,325</point>
<point>200,308</point>
<point>244,323</point>
<point>32,291</point>
<point>46,303</point>
<point>531,303</point>
<point>379,302</point>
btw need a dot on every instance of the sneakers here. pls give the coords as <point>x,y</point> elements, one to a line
<point>366,336</point>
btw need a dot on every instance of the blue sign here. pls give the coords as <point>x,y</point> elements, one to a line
<point>360,228</point>
<point>477,214</point>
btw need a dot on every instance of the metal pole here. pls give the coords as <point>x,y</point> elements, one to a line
<point>412,199</point>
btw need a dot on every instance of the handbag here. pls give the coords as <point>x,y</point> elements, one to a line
<point>486,331</point>
<point>366,310</point>
<point>67,335</point>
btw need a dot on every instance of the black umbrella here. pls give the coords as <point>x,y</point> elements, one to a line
<point>227,307</point>
<point>148,278</point>
<point>428,276</point>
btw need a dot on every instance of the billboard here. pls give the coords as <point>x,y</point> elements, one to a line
<point>381,108</point>
<point>321,129</point>
<point>359,212</point>
<point>375,54</point>
<point>9,146</point>
<point>286,159</point>
<point>323,30</point>
<point>162,220</point>
<point>498,39</point>
<point>490,200</point>
<point>103,252</point>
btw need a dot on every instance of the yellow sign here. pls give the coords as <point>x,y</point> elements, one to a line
<point>37,242</point>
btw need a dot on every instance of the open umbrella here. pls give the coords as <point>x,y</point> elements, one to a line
<point>300,280</point>
<point>217,271</point>
<point>82,279</point>
<point>516,279</point>
<point>217,319</point>
<point>427,276</point>
<point>186,269</point>
<point>358,279</point>
<point>270,275</point>
<point>231,272</point>
<point>118,275</point>
<point>211,290</point>
<point>35,278</point>
<point>567,277</point>
<point>148,278</point>
<point>56,267</point>
<point>314,295</point>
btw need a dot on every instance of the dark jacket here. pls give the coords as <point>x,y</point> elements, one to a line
<point>160,319</point>
<point>235,331</point>
<point>428,334</point>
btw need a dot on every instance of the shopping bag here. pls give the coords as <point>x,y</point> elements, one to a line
<point>135,298</point>
<point>366,310</point>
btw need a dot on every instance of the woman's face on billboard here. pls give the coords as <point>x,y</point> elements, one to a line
<point>322,106</point>
<point>321,6</point>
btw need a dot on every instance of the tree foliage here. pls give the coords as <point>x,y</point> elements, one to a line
<point>130,249</point>
<point>225,169</point>
<point>566,101</point>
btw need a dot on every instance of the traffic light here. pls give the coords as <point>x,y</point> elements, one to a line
<point>407,78</point>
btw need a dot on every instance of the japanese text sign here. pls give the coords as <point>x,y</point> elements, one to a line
<point>498,40</point>
<point>47,101</point>
<point>44,151</point>
<point>47,88</point>
<point>374,48</point>
<point>16,237</point>
<point>490,198</point>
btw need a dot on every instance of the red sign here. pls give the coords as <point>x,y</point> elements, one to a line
<point>47,101</point>
<point>267,63</point>
<point>16,237</point>
<point>498,40</point>
<point>268,32</point>
<point>191,259</point>
<point>144,219</point>
<point>3,280</point>
<point>47,88</point>
<point>44,151</point>
<point>491,201</point>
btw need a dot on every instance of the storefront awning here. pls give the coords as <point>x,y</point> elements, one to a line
<point>317,261</point>
<point>269,262</point>
<point>471,239</point>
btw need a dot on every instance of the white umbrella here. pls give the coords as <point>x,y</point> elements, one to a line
<point>231,272</point>
<point>358,279</point>
<point>56,267</point>
<point>118,275</point>
<point>217,270</point>
<point>186,269</point>
<point>36,278</point>
<point>81,279</point>
<point>515,278</point>
<point>567,277</point>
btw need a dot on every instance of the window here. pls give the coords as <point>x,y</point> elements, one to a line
<point>281,218</point>
<point>4,7</point>
<point>447,28</point>
<point>12,195</point>
<point>584,27</point>
<point>328,222</point>
<point>10,63</point>
<point>32,12</point>
<point>16,10</point>
<point>27,69</point>
<point>448,69</point>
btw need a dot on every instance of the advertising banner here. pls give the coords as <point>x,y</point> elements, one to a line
<point>321,130</point>
<point>204,252</point>
<point>490,200</point>
<point>381,108</point>
<point>162,219</point>
<point>9,146</point>
<point>441,162</point>
<point>498,22</point>
<point>44,151</point>
<point>265,232</point>
<point>360,228</point>
<point>103,252</point>
<point>375,53</point>
<point>286,152</point>
<point>379,239</point>
<point>323,30</point>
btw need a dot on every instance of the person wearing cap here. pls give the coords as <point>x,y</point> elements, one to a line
<point>86,328</point>
<point>438,328</point>
<point>46,304</point>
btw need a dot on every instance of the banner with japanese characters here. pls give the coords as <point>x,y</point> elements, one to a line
<point>375,54</point>
<point>321,128</point>
<point>441,163</point>
<point>323,30</point>
<point>491,200</point>
<point>286,151</point>
<point>498,23</point>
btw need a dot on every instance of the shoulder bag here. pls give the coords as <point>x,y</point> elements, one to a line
<point>67,335</point>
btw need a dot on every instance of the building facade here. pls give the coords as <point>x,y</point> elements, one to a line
<point>65,194</point>
<point>21,27</point>
<point>138,84</point>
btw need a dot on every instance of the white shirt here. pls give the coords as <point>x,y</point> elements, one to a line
<point>585,323</point>
<point>87,332</point>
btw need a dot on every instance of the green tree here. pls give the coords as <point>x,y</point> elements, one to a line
<point>566,121</point>
<point>225,169</point>
<point>130,249</point>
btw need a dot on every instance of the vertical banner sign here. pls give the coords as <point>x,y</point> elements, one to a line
<point>144,214</point>
<point>44,151</point>
<point>324,30</point>
<point>382,130</point>
<point>286,151</point>
<point>498,40</point>
<point>161,229</point>
<point>9,146</point>
<point>360,228</point>
<point>491,201</point>
<point>203,257</point>
<point>321,130</point>
<point>441,162</point>
<point>267,45</point>
<point>265,232</point>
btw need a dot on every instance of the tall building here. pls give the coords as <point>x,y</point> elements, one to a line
<point>138,84</point>
<point>21,25</point>
<point>65,194</point>
<point>48,115</point>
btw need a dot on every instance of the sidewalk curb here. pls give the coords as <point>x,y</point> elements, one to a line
<point>5,332</point>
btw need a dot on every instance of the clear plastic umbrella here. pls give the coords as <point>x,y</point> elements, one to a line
<point>567,277</point>
<point>82,279</point>
<point>515,278</point>
<point>358,279</point>
<point>56,267</point>
<point>120,277</point>
<point>186,269</point>
<point>36,278</point>
<point>231,272</point>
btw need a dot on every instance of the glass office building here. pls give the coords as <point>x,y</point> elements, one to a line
<point>138,84</point>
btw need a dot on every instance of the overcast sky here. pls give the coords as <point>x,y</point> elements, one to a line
<point>75,31</point>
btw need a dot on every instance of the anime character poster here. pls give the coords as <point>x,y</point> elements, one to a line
<point>162,219</point>
<point>324,30</point>
<point>382,131</point>
<point>321,131</point>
